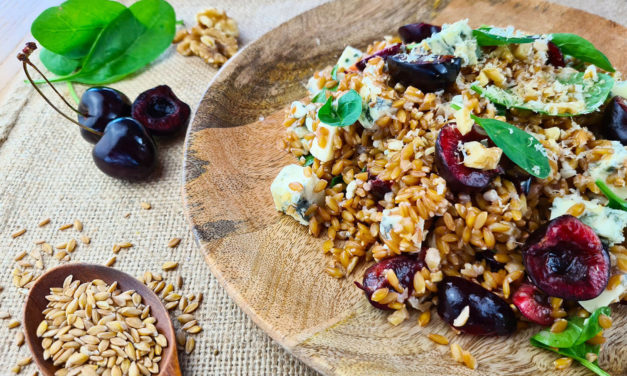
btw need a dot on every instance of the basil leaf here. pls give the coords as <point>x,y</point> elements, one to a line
<point>494,36</point>
<point>309,160</point>
<point>595,94</point>
<point>613,200</point>
<point>347,112</point>
<point>569,352</point>
<point>135,38</point>
<point>321,97</point>
<point>71,28</point>
<point>519,146</point>
<point>580,48</point>
<point>336,180</point>
<point>58,64</point>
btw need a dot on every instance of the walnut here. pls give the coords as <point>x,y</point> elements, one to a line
<point>214,39</point>
<point>210,55</point>
<point>213,18</point>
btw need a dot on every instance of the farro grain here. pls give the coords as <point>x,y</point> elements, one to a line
<point>44,222</point>
<point>439,339</point>
<point>66,226</point>
<point>18,233</point>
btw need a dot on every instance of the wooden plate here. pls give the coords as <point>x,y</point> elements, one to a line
<point>267,262</point>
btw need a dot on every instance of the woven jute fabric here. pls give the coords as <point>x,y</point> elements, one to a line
<point>46,171</point>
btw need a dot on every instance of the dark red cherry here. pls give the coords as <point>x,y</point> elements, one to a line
<point>384,53</point>
<point>101,105</point>
<point>160,111</point>
<point>555,55</point>
<point>615,120</point>
<point>449,160</point>
<point>375,277</point>
<point>379,187</point>
<point>416,32</point>
<point>126,150</point>
<point>565,258</point>
<point>488,314</point>
<point>533,304</point>
<point>427,73</point>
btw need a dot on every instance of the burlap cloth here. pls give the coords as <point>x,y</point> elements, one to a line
<point>46,170</point>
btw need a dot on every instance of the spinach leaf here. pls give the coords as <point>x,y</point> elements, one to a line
<point>578,353</point>
<point>594,93</point>
<point>58,64</point>
<point>71,28</point>
<point>494,36</point>
<point>520,147</point>
<point>336,180</point>
<point>347,111</point>
<point>135,38</point>
<point>321,97</point>
<point>582,49</point>
<point>614,201</point>
<point>572,341</point>
<point>309,160</point>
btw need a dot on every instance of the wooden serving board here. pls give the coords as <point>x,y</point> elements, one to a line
<point>269,264</point>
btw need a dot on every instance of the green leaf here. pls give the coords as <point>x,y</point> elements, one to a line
<point>572,341</point>
<point>519,146</point>
<point>71,28</point>
<point>58,64</point>
<point>614,201</point>
<point>135,38</point>
<point>575,354</point>
<point>494,36</point>
<point>582,49</point>
<point>347,111</point>
<point>336,180</point>
<point>309,160</point>
<point>334,72</point>
<point>321,97</point>
<point>594,93</point>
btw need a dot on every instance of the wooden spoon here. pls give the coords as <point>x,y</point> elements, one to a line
<point>36,302</point>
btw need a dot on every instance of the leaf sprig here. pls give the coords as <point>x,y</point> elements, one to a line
<point>102,41</point>
<point>572,341</point>
<point>613,200</point>
<point>346,113</point>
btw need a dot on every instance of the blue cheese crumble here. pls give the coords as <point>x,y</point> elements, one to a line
<point>608,223</point>
<point>295,202</point>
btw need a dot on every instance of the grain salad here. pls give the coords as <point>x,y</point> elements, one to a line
<point>464,165</point>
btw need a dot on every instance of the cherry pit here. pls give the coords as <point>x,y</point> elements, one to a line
<point>123,132</point>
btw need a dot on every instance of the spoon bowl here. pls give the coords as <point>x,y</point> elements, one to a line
<point>36,302</point>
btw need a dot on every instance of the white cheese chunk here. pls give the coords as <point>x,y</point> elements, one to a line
<point>313,86</point>
<point>323,150</point>
<point>295,202</point>
<point>620,89</point>
<point>349,57</point>
<point>388,223</point>
<point>610,164</point>
<point>298,110</point>
<point>606,298</point>
<point>608,223</point>
<point>350,189</point>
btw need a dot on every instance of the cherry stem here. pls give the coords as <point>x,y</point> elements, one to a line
<point>23,57</point>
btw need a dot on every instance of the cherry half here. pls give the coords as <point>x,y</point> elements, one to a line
<point>449,160</point>
<point>98,106</point>
<point>160,111</point>
<point>565,258</point>
<point>427,73</point>
<point>126,150</point>
<point>416,32</point>
<point>615,120</point>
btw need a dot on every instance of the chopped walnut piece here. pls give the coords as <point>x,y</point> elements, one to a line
<point>214,39</point>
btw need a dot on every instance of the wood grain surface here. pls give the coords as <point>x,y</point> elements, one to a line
<point>36,302</point>
<point>269,264</point>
